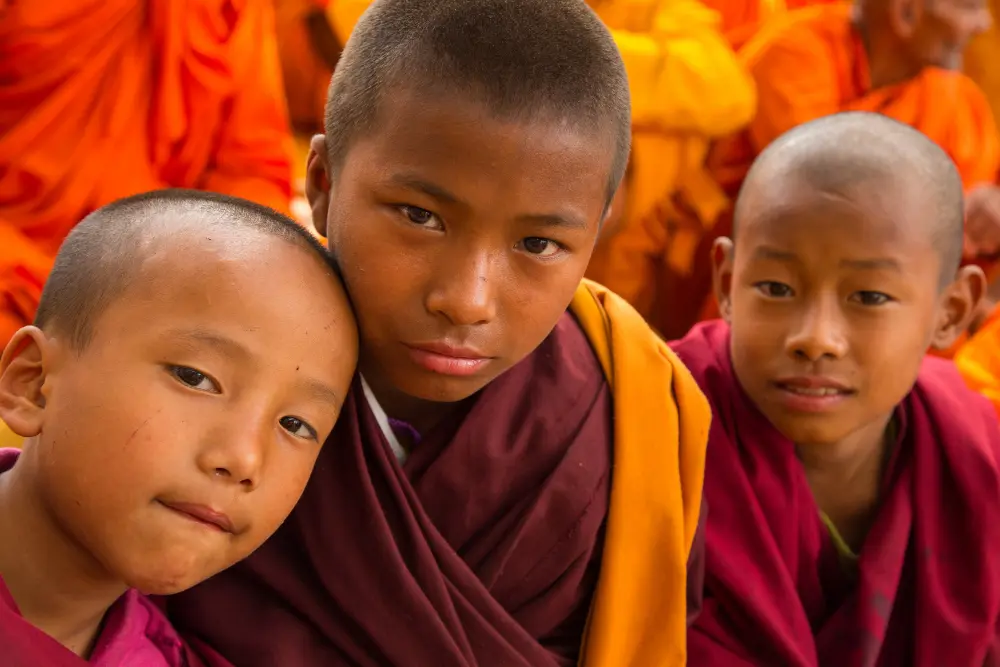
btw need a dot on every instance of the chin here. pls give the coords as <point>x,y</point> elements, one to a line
<point>429,386</point>
<point>816,433</point>
<point>167,576</point>
<point>163,583</point>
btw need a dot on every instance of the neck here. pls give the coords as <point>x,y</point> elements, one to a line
<point>58,586</point>
<point>845,478</point>
<point>421,414</point>
<point>888,63</point>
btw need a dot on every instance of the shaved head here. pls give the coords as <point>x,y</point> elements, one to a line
<point>839,154</point>
<point>525,60</point>
<point>103,254</point>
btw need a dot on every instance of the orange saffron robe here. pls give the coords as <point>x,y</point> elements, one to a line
<point>741,19</point>
<point>808,64</point>
<point>100,99</point>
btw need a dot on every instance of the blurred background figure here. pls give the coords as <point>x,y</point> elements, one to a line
<point>100,99</point>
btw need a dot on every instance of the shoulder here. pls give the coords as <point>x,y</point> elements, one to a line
<point>811,40</point>
<point>137,632</point>
<point>964,102</point>
<point>556,396</point>
<point>566,356</point>
<point>705,348</point>
<point>960,412</point>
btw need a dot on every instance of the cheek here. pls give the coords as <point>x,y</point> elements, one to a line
<point>890,362</point>
<point>274,501</point>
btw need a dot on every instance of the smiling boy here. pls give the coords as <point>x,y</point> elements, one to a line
<point>853,482</point>
<point>489,488</point>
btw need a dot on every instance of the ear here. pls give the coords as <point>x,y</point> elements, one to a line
<point>904,16</point>
<point>722,275</point>
<point>615,213</point>
<point>318,183</point>
<point>958,306</point>
<point>23,369</point>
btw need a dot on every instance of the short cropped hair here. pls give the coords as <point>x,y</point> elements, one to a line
<point>521,58</point>
<point>853,147</point>
<point>100,257</point>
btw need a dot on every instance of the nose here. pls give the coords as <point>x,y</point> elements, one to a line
<point>465,293</point>
<point>234,453</point>
<point>819,333</point>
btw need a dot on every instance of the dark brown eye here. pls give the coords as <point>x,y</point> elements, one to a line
<point>194,378</point>
<point>417,216</point>
<point>298,428</point>
<point>773,289</point>
<point>541,247</point>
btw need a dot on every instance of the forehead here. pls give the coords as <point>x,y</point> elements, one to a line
<point>233,280</point>
<point>882,218</point>
<point>460,141</point>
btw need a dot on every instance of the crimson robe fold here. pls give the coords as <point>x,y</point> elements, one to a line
<point>926,590</point>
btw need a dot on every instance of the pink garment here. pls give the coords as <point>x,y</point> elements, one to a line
<point>135,633</point>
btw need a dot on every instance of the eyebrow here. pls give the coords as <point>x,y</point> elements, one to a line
<point>767,252</point>
<point>321,392</point>
<point>441,194</point>
<point>554,220</point>
<point>873,264</point>
<point>417,183</point>
<point>222,343</point>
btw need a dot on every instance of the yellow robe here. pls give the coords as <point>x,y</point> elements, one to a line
<point>8,438</point>
<point>687,89</point>
<point>639,613</point>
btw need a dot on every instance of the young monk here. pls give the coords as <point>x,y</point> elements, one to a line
<point>852,485</point>
<point>896,57</point>
<point>486,498</point>
<point>190,356</point>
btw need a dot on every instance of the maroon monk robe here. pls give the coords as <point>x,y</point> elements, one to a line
<point>927,587</point>
<point>483,549</point>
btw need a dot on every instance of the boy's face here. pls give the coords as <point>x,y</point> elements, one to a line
<point>461,237</point>
<point>834,300</point>
<point>181,437</point>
